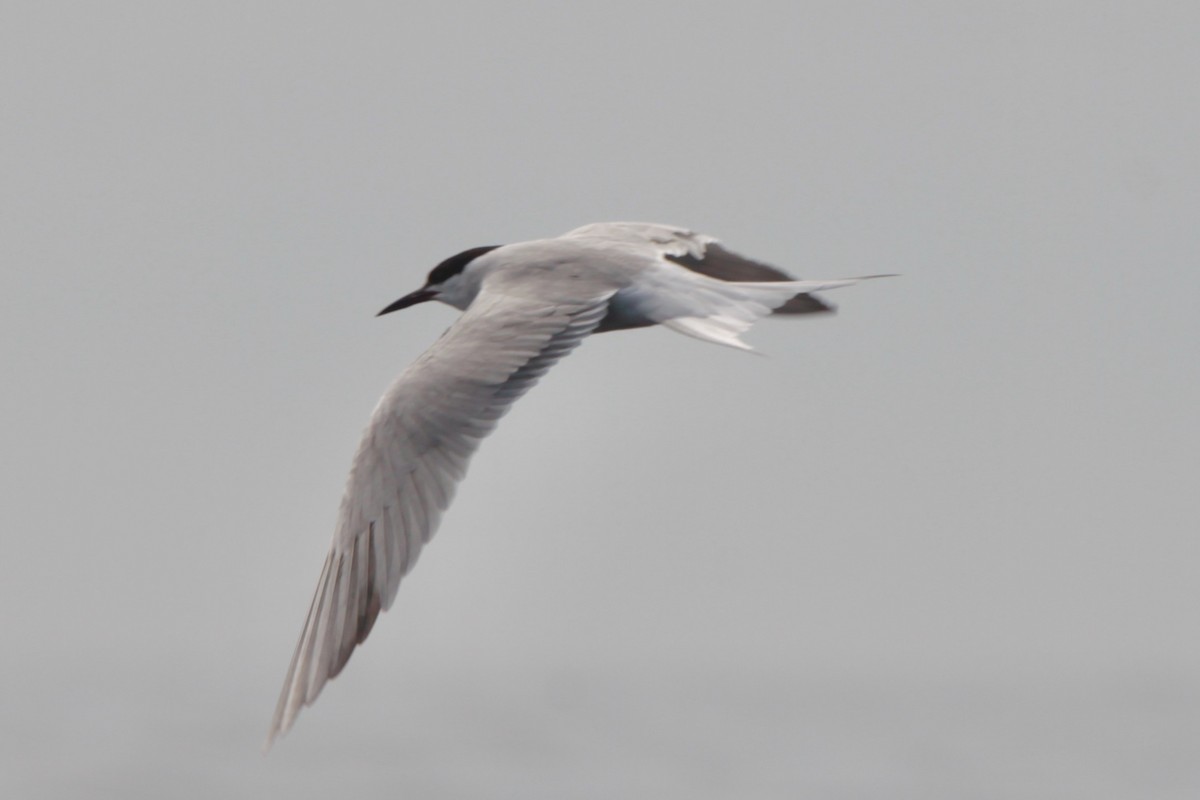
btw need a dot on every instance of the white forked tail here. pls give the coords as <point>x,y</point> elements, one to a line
<point>725,310</point>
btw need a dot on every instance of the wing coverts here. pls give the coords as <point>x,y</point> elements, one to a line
<point>413,454</point>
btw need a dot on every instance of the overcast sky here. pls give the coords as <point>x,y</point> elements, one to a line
<point>919,547</point>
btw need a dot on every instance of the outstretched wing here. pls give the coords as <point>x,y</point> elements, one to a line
<point>705,255</point>
<point>414,452</point>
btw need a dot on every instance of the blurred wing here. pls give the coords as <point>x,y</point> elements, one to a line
<point>668,240</point>
<point>726,265</point>
<point>702,254</point>
<point>413,453</point>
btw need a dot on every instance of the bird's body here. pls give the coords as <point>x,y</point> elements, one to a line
<point>525,306</point>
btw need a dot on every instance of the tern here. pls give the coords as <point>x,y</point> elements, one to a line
<point>525,306</point>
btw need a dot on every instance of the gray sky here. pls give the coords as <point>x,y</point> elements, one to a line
<point>959,516</point>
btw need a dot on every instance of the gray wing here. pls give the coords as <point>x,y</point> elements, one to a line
<point>414,452</point>
<point>717,262</point>
<point>702,254</point>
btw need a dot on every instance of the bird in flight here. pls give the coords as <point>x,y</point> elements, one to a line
<point>525,306</point>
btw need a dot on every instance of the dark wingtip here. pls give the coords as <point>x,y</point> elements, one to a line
<point>806,304</point>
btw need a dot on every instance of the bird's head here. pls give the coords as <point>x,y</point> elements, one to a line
<point>449,281</point>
